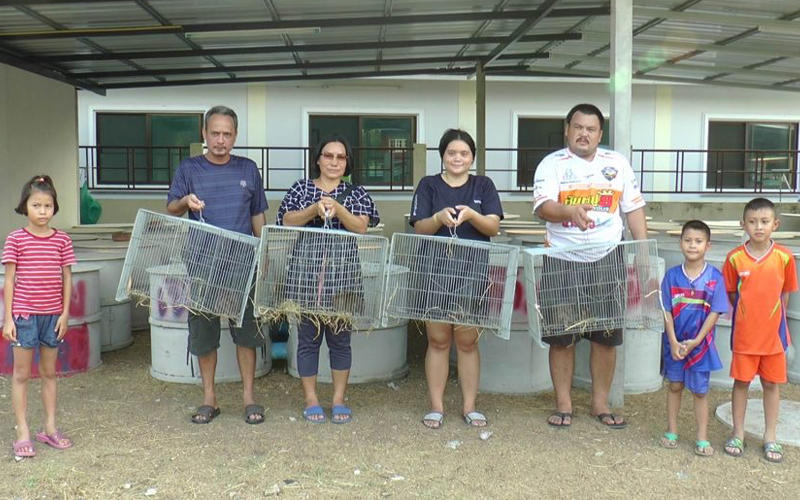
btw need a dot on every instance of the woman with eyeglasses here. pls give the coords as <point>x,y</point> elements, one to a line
<point>325,200</point>
<point>455,203</point>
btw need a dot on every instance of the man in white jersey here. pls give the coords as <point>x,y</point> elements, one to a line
<point>581,192</point>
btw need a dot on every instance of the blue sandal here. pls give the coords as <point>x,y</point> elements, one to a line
<point>312,411</point>
<point>341,414</point>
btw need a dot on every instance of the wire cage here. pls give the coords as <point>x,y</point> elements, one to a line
<point>451,280</point>
<point>593,287</point>
<point>331,275</point>
<point>184,263</point>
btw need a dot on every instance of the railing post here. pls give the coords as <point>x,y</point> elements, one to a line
<point>420,159</point>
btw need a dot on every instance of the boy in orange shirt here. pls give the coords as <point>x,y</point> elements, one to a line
<point>758,277</point>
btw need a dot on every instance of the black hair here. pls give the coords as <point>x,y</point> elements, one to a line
<point>454,134</point>
<point>697,225</point>
<point>221,110</point>
<point>313,167</point>
<point>758,204</point>
<point>42,183</point>
<point>586,109</point>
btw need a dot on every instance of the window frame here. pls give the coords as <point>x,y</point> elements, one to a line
<point>418,125</point>
<point>746,118</point>
<point>94,140</point>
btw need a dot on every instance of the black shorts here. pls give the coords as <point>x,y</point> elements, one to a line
<point>583,299</point>
<point>450,283</point>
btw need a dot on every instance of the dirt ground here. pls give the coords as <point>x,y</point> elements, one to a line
<point>134,440</point>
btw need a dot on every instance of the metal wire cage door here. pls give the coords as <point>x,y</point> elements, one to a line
<point>451,280</point>
<point>593,287</point>
<point>184,263</point>
<point>331,275</point>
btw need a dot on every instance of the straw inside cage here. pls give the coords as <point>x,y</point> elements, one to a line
<point>331,277</point>
<point>593,288</point>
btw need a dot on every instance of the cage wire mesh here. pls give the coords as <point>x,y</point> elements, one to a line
<point>335,277</point>
<point>184,263</point>
<point>593,287</point>
<point>452,280</point>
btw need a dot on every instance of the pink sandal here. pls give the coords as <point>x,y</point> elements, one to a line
<point>57,440</point>
<point>19,448</point>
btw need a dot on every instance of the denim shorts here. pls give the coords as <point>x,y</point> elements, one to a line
<point>35,330</point>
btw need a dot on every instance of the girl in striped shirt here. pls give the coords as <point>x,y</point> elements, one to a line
<point>38,286</point>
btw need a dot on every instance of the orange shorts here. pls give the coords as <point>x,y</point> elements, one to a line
<point>771,367</point>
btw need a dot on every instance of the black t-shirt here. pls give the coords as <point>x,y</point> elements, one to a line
<point>433,194</point>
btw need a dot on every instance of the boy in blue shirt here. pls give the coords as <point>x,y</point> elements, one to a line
<point>693,296</point>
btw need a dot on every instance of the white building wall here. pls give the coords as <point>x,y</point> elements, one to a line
<point>678,112</point>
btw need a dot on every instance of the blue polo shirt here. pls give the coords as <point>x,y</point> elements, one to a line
<point>232,192</point>
<point>433,194</point>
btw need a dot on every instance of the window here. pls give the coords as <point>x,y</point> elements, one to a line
<point>537,138</point>
<point>143,148</point>
<point>751,155</point>
<point>381,145</point>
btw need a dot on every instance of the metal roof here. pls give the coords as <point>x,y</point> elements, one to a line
<point>109,44</point>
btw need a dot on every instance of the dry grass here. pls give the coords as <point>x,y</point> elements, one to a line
<point>132,433</point>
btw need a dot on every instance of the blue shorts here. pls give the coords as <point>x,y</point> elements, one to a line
<point>37,330</point>
<point>697,382</point>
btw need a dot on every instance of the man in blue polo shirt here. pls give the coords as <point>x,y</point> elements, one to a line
<point>228,192</point>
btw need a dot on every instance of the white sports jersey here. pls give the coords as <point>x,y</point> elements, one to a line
<point>607,183</point>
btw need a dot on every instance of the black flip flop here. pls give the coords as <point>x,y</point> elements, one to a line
<point>254,410</point>
<point>613,425</point>
<point>207,412</point>
<point>562,416</point>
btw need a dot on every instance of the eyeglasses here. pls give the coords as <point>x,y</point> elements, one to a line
<point>332,157</point>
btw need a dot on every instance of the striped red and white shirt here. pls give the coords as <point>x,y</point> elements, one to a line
<point>39,284</point>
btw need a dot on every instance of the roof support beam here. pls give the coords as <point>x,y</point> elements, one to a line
<point>641,63</point>
<point>786,18</point>
<point>298,77</point>
<point>540,13</point>
<point>49,73</point>
<point>165,23</point>
<point>85,41</point>
<point>579,73</point>
<point>324,47</point>
<point>478,32</point>
<point>350,63</point>
<point>273,11</point>
<point>705,47</point>
<point>279,24</point>
<point>336,22</point>
<point>387,12</point>
<point>718,19</point>
<point>646,26</point>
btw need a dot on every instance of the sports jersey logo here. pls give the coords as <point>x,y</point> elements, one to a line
<point>603,200</point>
<point>744,274</point>
<point>610,173</point>
<point>568,176</point>
<point>243,183</point>
<point>477,202</point>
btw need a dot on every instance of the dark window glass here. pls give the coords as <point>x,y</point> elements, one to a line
<point>143,148</point>
<point>751,155</point>
<point>382,145</point>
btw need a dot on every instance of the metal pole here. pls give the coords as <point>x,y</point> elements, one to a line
<point>621,74</point>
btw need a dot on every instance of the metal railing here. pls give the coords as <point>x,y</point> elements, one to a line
<point>150,168</point>
<point>659,171</point>
<point>716,171</point>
